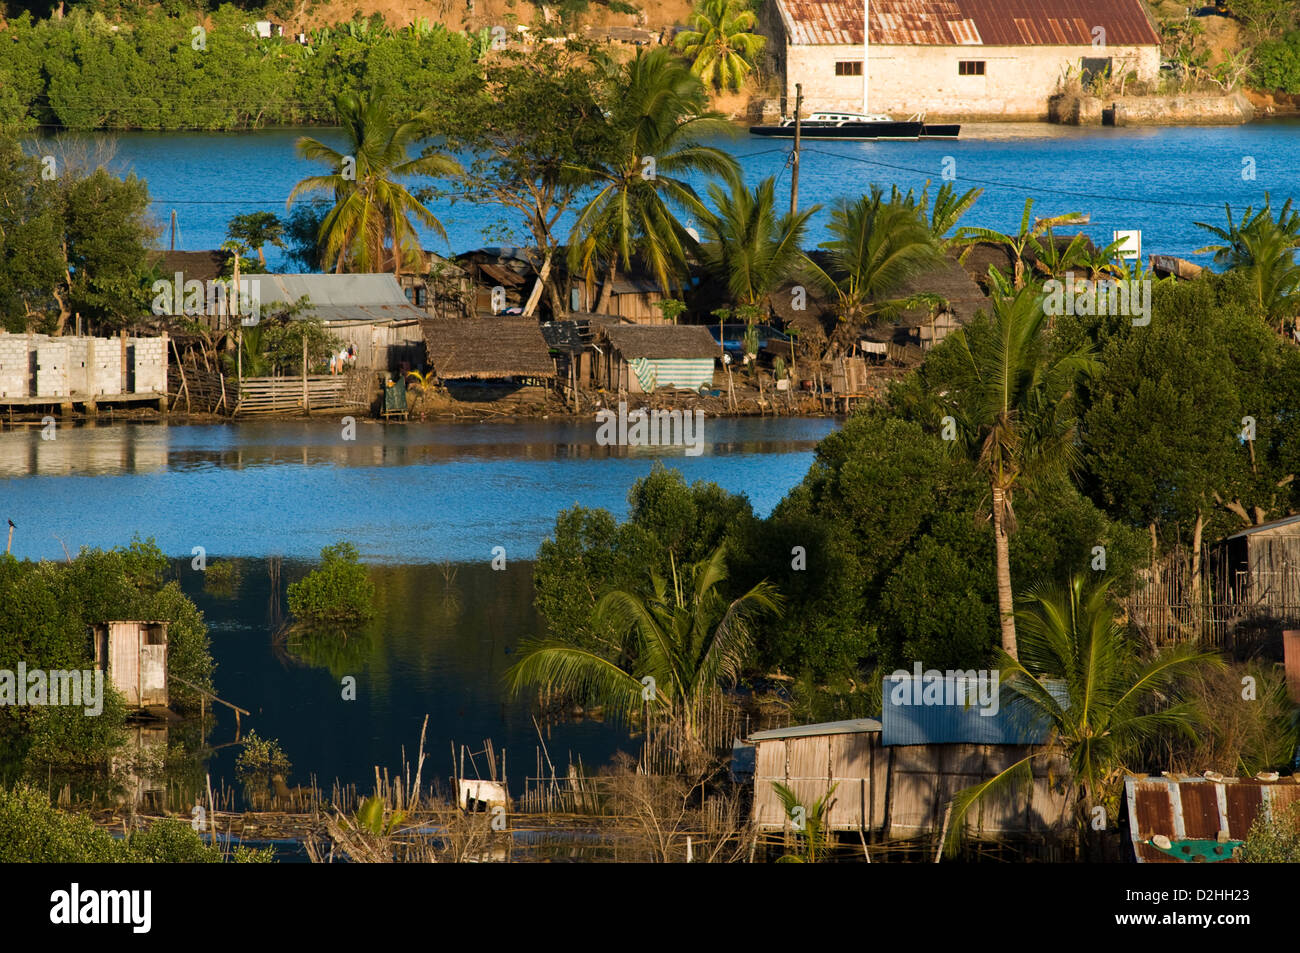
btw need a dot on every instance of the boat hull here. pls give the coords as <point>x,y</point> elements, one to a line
<point>848,130</point>
<point>933,130</point>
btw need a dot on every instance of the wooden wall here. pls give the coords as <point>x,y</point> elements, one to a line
<point>901,790</point>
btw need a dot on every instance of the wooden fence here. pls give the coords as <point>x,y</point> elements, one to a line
<point>279,395</point>
<point>1172,605</point>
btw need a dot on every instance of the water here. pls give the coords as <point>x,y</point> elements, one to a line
<point>403,493</point>
<point>425,503</point>
<point>1159,180</point>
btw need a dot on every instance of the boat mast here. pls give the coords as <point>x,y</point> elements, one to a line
<point>866,55</point>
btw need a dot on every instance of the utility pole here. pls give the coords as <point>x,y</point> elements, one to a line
<point>794,157</point>
<point>866,56</point>
<point>173,248</point>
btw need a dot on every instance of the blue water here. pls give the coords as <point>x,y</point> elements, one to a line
<point>1158,180</point>
<point>402,493</point>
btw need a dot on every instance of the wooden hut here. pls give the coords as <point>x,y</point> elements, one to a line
<point>1259,568</point>
<point>642,358</point>
<point>633,298</point>
<point>895,777</point>
<point>133,654</point>
<point>497,348</point>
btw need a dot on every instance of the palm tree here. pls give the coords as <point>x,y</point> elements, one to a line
<point>1023,241</point>
<point>750,246</point>
<point>369,227</point>
<point>876,246</point>
<point>1263,249</point>
<point>1083,677</point>
<point>1012,415</point>
<point>810,823</point>
<point>678,646</point>
<point>720,46</point>
<point>659,116</point>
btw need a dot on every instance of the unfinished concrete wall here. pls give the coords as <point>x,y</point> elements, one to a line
<point>51,369</point>
<point>150,365</point>
<point>77,366</point>
<point>15,365</point>
<point>104,361</point>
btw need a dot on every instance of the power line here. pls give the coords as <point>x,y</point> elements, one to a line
<point>1022,189</point>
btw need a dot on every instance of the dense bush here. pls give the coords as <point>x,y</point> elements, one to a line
<point>151,72</point>
<point>1273,840</point>
<point>32,831</point>
<point>46,609</point>
<point>1277,64</point>
<point>338,592</point>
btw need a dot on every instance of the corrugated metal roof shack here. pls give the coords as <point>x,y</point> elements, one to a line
<point>897,776</point>
<point>642,358</point>
<point>369,312</point>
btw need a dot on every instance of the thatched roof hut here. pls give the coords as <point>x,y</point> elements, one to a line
<point>642,358</point>
<point>662,342</point>
<point>486,348</point>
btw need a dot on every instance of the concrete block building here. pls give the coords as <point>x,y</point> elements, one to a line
<point>952,59</point>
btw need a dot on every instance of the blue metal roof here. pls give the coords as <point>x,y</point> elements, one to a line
<point>908,719</point>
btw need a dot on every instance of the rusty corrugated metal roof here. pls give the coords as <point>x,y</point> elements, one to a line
<point>967,22</point>
<point>1197,808</point>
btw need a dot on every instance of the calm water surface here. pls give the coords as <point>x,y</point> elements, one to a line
<point>403,493</point>
<point>1159,180</point>
<point>425,503</point>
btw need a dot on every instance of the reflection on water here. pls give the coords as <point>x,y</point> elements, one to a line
<point>401,492</point>
<point>439,645</point>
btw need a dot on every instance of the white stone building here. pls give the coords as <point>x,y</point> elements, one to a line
<point>952,59</point>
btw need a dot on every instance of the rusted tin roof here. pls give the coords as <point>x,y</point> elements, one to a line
<point>967,22</point>
<point>1197,808</point>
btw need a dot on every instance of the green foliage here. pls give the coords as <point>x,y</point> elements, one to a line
<point>370,818</point>
<point>876,244</point>
<point>674,649</point>
<point>72,244</point>
<point>1277,64</point>
<point>1162,422</point>
<point>750,247</point>
<point>809,823</point>
<point>369,227</point>
<point>1261,249</point>
<point>46,610</point>
<point>144,71</point>
<point>1273,840</point>
<point>257,230</point>
<point>223,578</point>
<point>260,760</point>
<point>1117,699</point>
<point>657,112</point>
<point>338,592</point>
<point>32,831</point>
<point>720,44</point>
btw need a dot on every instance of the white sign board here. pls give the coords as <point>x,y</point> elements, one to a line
<point>1132,243</point>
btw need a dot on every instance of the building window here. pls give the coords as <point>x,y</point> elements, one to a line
<point>970,68</point>
<point>848,68</point>
<point>1094,68</point>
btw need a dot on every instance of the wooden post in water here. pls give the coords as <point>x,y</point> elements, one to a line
<point>306,401</point>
